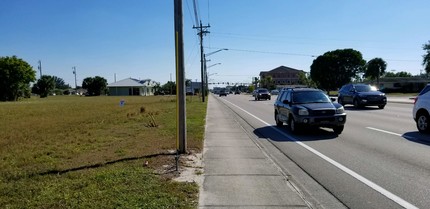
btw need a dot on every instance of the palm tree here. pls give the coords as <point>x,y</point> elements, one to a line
<point>268,82</point>
<point>256,82</point>
<point>426,57</point>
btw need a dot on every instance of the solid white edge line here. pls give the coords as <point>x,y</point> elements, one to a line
<point>352,173</point>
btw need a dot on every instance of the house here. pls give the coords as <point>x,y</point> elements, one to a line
<point>282,76</point>
<point>132,87</point>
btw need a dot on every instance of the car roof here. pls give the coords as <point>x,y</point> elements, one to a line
<point>301,89</point>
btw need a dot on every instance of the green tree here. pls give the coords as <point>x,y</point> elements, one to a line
<point>305,79</point>
<point>15,77</point>
<point>95,86</point>
<point>403,74</point>
<point>426,57</point>
<point>375,68</point>
<point>44,85</point>
<point>336,68</point>
<point>267,83</point>
<point>398,74</point>
<point>60,84</point>
<point>251,88</point>
<point>169,87</point>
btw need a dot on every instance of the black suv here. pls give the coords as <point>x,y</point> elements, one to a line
<point>223,92</point>
<point>262,93</point>
<point>299,107</point>
<point>361,95</point>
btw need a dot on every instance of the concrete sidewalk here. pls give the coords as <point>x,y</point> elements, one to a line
<point>237,173</point>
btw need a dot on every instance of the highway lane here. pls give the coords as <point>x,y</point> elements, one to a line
<point>381,146</point>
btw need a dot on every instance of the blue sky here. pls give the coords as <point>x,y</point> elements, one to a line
<point>135,38</point>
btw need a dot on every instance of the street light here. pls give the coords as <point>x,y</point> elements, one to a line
<point>205,70</point>
<point>206,73</point>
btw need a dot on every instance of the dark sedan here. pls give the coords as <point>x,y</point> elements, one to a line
<point>361,95</point>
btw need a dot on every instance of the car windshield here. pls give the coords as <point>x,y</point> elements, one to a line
<point>263,91</point>
<point>365,88</point>
<point>310,97</point>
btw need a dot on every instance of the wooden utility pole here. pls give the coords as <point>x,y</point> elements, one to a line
<point>181,123</point>
<point>202,31</point>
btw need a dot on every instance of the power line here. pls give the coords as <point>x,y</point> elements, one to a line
<point>189,11</point>
<point>196,14</point>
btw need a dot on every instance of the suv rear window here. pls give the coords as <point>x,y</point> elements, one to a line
<point>425,90</point>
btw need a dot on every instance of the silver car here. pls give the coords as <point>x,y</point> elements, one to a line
<point>421,111</point>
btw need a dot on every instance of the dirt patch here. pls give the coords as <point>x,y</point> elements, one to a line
<point>190,167</point>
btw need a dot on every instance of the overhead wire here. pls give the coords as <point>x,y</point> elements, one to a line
<point>196,14</point>
<point>189,11</point>
<point>209,20</point>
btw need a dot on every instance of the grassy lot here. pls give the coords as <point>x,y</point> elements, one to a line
<point>90,152</point>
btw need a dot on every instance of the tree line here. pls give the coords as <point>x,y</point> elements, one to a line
<point>16,77</point>
<point>336,68</point>
<point>328,71</point>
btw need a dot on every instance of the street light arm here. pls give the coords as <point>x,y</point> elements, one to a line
<point>213,65</point>
<point>210,53</point>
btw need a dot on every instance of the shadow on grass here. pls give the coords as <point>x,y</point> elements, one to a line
<point>98,165</point>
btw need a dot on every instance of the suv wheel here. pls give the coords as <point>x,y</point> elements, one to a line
<point>381,106</point>
<point>356,104</point>
<point>294,127</point>
<point>338,129</point>
<point>340,101</point>
<point>278,122</point>
<point>423,120</point>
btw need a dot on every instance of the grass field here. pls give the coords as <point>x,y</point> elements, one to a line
<point>90,152</point>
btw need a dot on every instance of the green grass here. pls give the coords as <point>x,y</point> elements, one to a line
<point>88,152</point>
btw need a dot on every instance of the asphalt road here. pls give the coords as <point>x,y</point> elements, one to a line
<point>379,161</point>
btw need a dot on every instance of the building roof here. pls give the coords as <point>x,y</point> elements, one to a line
<point>280,69</point>
<point>132,82</point>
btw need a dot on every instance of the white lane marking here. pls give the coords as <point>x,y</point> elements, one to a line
<point>352,173</point>
<point>392,133</point>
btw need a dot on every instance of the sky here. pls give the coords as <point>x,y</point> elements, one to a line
<point>135,38</point>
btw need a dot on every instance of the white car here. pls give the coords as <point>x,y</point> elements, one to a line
<point>421,111</point>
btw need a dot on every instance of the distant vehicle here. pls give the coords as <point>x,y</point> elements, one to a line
<point>237,92</point>
<point>262,94</point>
<point>274,92</point>
<point>361,95</point>
<point>307,107</point>
<point>421,110</point>
<point>223,92</point>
